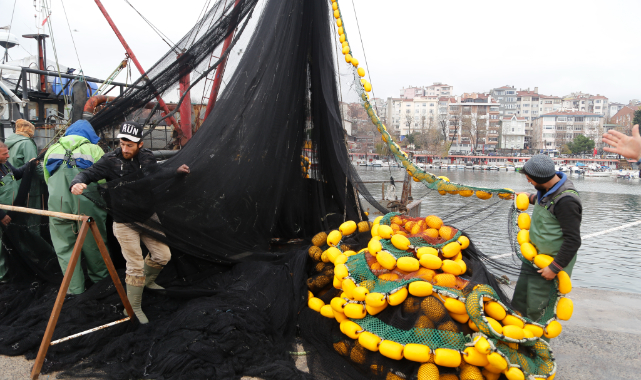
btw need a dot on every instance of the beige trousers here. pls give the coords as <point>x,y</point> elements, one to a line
<point>129,239</point>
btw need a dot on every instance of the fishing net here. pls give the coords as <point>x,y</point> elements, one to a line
<point>269,170</point>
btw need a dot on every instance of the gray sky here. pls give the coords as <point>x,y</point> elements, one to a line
<point>559,46</point>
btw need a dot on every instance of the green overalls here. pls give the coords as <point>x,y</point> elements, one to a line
<point>8,191</point>
<point>65,232</point>
<point>21,150</point>
<point>533,292</point>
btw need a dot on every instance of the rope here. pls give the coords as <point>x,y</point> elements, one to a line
<point>153,27</point>
<point>369,74</point>
<point>53,45</point>
<point>72,39</point>
<point>9,33</point>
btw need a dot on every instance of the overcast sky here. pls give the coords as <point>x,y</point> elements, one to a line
<point>557,46</point>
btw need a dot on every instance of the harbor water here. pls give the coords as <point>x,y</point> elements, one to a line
<point>609,261</point>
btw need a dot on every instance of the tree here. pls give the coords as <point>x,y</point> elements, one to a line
<point>637,117</point>
<point>565,149</point>
<point>581,144</point>
<point>382,149</point>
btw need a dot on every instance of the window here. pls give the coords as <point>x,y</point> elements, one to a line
<point>597,107</point>
<point>494,117</point>
<point>598,101</point>
<point>570,118</point>
<point>526,105</point>
<point>548,102</point>
<point>509,92</point>
<point>424,104</point>
<point>561,118</point>
<point>407,111</point>
<point>526,111</point>
<point>512,129</point>
<point>510,99</point>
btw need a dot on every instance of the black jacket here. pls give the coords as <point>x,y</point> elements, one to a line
<point>17,174</point>
<point>113,166</point>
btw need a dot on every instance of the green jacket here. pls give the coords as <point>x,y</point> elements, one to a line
<point>21,150</point>
<point>83,151</point>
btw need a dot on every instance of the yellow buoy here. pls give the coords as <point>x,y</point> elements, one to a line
<point>434,221</point>
<point>375,299</point>
<point>523,236</point>
<point>460,318</point>
<point>452,249</point>
<point>337,304</point>
<point>327,311</point>
<point>333,253</point>
<point>315,303</point>
<point>426,250</point>
<point>367,86</point>
<point>391,349</point>
<point>371,310</point>
<point>420,288</point>
<point>340,317</point>
<point>417,352</point>
<point>348,57</point>
<point>473,357</point>
<point>401,242</point>
<point>482,346</point>
<point>375,230</point>
<point>335,7</point>
<point>342,38</point>
<point>342,259</point>
<point>536,330</point>
<point>514,373</point>
<point>337,14</point>
<point>543,261</point>
<point>341,31</point>
<point>377,220</point>
<point>355,62</point>
<point>495,325</point>
<point>339,22</point>
<point>466,193</point>
<point>472,325</point>
<point>495,310</point>
<point>346,49</point>
<point>497,361</point>
<point>552,330</point>
<point>483,194</point>
<point>348,286</point>
<point>513,320</point>
<point>488,374</point>
<point>337,283</point>
<point>461,263</point>
<point>350,329</point>
<point>334,238</point>
<point>347,228</point>
<point>385,231</point>
<point>361,72</point>
<point>428,371</point>
<point>386,260</point>
<point>450,266</point>
<point>340,271</point>
<point>513,332</point>
<point>455,306</point>
<point>374,246</point>
<point>447,358</point>
<point>527,334</point>
<point>464,241</point>
<point>431,261</point>
<point>369,341</point>
<point>524,221</point>
<point>354,311</point>
<point>564,309</point>
<point>522,202</point>
<point>565,284</point>
<point>527,250</point>
<point>360,293</point>
<point>398,297</point>
<point>408,264</point>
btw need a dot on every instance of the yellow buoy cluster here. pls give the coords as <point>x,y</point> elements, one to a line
<point>305,165</point>
<point>564,306</point>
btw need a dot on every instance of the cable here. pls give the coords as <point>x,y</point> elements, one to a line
<point>6,49</point>
<point>53,45</point>
<point>360,36</point>
<point>160,34</point>
<point>72,39</point>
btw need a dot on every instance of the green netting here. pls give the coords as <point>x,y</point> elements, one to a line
<point>534,360</point>
<point>432,338</point>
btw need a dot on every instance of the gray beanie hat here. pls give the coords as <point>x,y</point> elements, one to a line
<point>540,168</point>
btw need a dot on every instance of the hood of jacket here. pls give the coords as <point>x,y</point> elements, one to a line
<point>84,129</point>
<point>13,139</point>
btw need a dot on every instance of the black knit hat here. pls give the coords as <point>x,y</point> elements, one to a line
<point>540,168</point>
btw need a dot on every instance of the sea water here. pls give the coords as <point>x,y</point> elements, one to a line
<point>608,261</point>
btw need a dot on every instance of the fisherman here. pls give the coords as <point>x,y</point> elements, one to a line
<point>554,231</point>
<point>75,152</point>
<point>131,160</point>
<point>22,148</point>
<point>8,190</point>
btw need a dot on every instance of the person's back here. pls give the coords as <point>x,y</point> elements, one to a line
<point>72,154</point>
<point>22,148</point>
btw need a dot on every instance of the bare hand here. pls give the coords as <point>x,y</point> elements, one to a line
<point>6,220</point>
<point>37,162</point>
<point>183,169</point>
<point>547,273</point>
<point>78,188</point>
<point>627,146</point>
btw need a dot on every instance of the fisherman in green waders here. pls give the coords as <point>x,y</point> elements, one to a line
<point>72,154</point>
<point>22,148</point>
<point>555,231</point>
<point>9,176</point>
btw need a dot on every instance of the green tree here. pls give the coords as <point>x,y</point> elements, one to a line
<point>637,117</point>
<point>382,149</point>
<point>565,149</point>
<point>581,144</point>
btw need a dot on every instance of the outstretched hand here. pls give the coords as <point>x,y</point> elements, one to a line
<point>78,188</point>
<point>627,146</point>
<point>183,169</point>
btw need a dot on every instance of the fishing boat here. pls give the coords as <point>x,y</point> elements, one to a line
<point>591,173</point>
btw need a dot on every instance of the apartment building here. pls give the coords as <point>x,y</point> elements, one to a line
<point>473,122</point>
<point>613,108</point>
<point>555,129</point>
<point>624,117</point>
<point>406,116</point>
<point>506,97</point>
<point>513,132</point>
<point>436,89</point>
<point>579,101</point>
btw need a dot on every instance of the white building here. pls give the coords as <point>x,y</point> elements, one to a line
<point>513,132</point>
<point>555,129</point>
<point>406,116</point>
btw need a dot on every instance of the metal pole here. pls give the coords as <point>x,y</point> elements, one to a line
<point>25,95</point>
<point>135,60</point>
<point>218,77</point>
<point>185,106</point>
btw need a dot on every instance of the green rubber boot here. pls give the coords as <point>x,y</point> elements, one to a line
<point>150,277</point>
<point>134,294</point>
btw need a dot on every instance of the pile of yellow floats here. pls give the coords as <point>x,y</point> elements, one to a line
<point>424,257</point>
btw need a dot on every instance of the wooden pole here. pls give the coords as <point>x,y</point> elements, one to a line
<point>27,210</point>
<point>57,307</point>
<point>110,268</point>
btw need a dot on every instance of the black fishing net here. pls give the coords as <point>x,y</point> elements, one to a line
<point>269,170</point>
